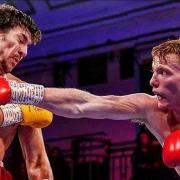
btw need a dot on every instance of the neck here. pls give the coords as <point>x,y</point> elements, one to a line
<point>176,113</point>
<point>174,119</point>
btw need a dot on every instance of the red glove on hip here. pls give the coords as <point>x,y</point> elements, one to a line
<point>171,150</point>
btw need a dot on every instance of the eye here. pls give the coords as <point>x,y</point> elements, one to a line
<point>152,71</point>
<point>21,40</point>
<point>163,72</point>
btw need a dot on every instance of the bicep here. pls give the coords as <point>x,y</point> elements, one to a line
<point>117,107</point>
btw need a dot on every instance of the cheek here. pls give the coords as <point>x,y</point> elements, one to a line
<point>173,86</point>
<point>5,49</point>
<point>7,44</point>
<point>2,54</point>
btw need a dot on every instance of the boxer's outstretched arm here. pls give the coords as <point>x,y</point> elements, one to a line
<point>37,163</point>
<point>77,104</point>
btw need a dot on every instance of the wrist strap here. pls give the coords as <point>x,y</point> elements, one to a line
<point>12,114</point>
<point>24,93</point>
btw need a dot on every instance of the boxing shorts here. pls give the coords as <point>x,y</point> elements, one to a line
<point>4,174</point>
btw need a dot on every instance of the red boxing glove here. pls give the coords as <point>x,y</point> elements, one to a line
<point>171,150</point>
<point>5,91</point>
<point>20,93</point>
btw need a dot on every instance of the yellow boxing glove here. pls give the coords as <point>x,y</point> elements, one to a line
<point>27,115</point>
<point>35,117</point>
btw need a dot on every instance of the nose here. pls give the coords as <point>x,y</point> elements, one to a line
<point>154,81</point>
<point>23,51</point>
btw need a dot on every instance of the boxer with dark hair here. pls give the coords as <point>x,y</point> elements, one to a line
<point>17,32</point>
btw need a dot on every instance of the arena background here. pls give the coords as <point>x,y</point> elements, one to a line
<point>103,47</point>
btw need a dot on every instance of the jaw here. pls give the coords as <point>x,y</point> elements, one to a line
<point>163,104</point>
<point>8,66</point>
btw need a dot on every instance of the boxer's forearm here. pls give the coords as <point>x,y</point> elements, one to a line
<point>76,104</point>
<point>66,101</point>
<point>37,163</point>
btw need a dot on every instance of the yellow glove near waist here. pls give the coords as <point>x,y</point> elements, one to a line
<point>35,117</point>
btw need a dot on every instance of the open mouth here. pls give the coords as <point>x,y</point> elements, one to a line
<point>159,96</point>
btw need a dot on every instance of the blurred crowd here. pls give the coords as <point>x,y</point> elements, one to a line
<point>146,161</point>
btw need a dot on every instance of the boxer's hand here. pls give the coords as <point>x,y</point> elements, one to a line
<point>171,150</point>
<point>20,93</point>
<point>36,117</point>
<point>27,115</point>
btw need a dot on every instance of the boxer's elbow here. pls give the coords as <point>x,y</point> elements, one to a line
<point>75,111</point>
<point>87,109</point>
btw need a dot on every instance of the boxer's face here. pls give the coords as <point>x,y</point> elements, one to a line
<point>13,48</point>
<point>165,81</point>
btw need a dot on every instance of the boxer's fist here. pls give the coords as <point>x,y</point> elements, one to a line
<point>27,115</point>
<point>35,117</point>
<point>5,91</point>
<point>20,93</point>
<point>171,150</point>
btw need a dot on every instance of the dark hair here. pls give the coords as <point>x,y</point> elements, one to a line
<point>11,17</point>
